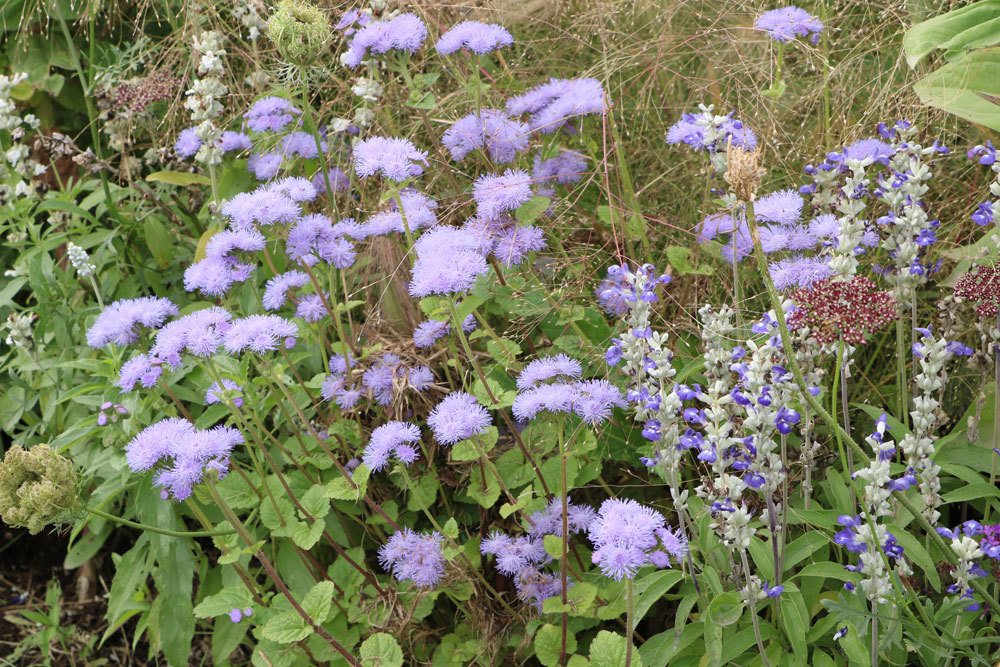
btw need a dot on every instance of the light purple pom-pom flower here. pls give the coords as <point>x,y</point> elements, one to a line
<point>458,417</point>
<point>411,556</point>
<point>499,193</point>
<point>270,114</point>
<point>552,105</point>
<point>787,23</point>
<point>187,143</point>
<point>259,334</point>
<point>394,158</point>
<point>480,38</point>
<point>405,33</point>
<point>395,438</point>
<point>119,322</point>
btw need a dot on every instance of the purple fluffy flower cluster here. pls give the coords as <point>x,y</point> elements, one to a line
<point>552,106</point>
<point>384,381</point>
<point>449,260</point>
<point>491,130</point>
<point>259,334</point>
<point>522,558</point>
<point>270,114</point>
<point>410,556</point>
<point>230,391</point>
<point>786,23</point>
<point>591,400</point>
<point>392,439</point>
<point>459,416</point>
<point>627,536</point>
<point>314,238</point>
<point>480,38</point>
<point>188,143</point>
<point>405,33</point>
<point>394,158</point>
<point>119,322</point>
<point>186,452</point>
<point>430,332</point>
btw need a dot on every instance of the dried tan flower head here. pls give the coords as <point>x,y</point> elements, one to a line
<point>743,171</point>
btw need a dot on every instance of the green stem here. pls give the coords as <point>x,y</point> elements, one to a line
<point>153,529</point>
<point>629,620</point>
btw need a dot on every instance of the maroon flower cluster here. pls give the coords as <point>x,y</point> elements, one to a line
<point>846,309</point>
<point>136,95</point>
<point>981,285</point>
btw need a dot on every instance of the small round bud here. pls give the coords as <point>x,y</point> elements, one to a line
<point>300,31</point>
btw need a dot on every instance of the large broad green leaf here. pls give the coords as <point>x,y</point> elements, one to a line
<point>970,27</point>
<point>967,87</point>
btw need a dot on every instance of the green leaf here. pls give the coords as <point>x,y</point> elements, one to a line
<point>315,501</point>
<point>548,644</point>
<point>608,650</point>
<point>131,572</point>
<point>532,209</point>
<point>318,602</point>
<point>679,258</point>
<point>469,450</point>
<point>285,628</point>
<point>182,178</point>
<point>978,491</point>
<point>159,241</point>
<point>725,609</point>
<point>651,588</point>
<point>381,650</point>
<point>487,495</point>
<point>825,570</point>
<point>973,26</point>
<point>229,598</point>
<point>306,534</point>
<point>966,87</point>
<point>423,492</point>
<point>553,546</point>
<point>795,620</point>
<point>916,553</point>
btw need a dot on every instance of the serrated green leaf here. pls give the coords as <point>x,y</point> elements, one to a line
<point>221,603</point>
<point>381,650</point>
<point>285,628</point>
<point>318,602</point>
<point>608,650</point>
<point>548,644</point>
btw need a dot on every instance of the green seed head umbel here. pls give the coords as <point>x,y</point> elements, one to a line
<point>299,30</point>
<point>37,487</point>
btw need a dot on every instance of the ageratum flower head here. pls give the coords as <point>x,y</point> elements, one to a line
<point>265,206</point>
<point>277,288</point>
<point>270,114</point>
<point>187,143</point>
<point>119,322</point>
<point>418,209</point>
<point>787,23</point>
<point>548,368</point>
<point>799,272</point>
<point>783,207</point>
<point>395,438</point>
<point>259,334</point>
<point>201,333</point>
<point>229,391</point>
<point>411,556</point>
<point>549,521</point>
<point>429,332</point>
<point>394,158</point>
<point>142,369</point>
<point>480,38</point>
<point>491,130</point>
<point>446,263</point>
<point>566,168</point>
<point>186,452</point>
<point>459,416</point>
<point>626,535</point>
<point>551,106</point>
<point>500,193</point>
<point>314,238</point>
<point>513,554</point>
<point>405,33</point>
